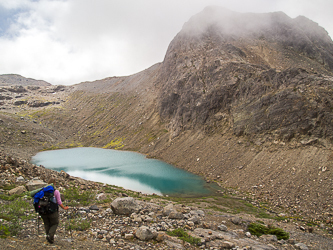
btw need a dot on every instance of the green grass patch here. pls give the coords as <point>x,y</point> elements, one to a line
<point>4,231</point>
<point>236,205</point>
<point>264,215</point>
<point>74,196</point>
<point>215,208</point>
<point>311,224</point>
<point>78,224</point>
<point>109,190</point>
<point>8,187</point>
<point>259,229</point>
<point>15,209</point>
<point>181,234</point>
<point>117,143</point>
<point>12,215</point>
<point>223,204</point>
<point>12,197</point>
<point>51,148</point>
<point>151,137</point>
<point>281,218</point>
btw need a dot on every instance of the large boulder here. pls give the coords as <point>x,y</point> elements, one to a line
<point>20,179</point>
<point>35,184</point>
<point>198,213</point>
<point>145,233</point>
<point>101,197</point>
<point>301,246</point>
<point>17,190</point>
<point>168,209</point>
<point>195,219</point>
<point>125,206</point>
<point>174,215</point>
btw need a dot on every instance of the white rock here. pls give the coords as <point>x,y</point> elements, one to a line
<point>145,233</point>
<point>168,209</point>
<point>223,227</point>
<point>301,246</point>
<point>17,190</point>
<point>125,206</point>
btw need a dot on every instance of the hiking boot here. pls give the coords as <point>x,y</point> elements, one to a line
<point>49,239</point>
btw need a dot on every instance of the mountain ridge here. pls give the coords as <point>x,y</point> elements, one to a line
<point>15,79</point>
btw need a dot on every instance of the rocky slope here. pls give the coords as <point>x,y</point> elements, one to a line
<point>114,220</point>
<point>244,100</point>
<point>254,73</point>
<point>18,80</point>
<point>20,107</point>
<point>259,88</point>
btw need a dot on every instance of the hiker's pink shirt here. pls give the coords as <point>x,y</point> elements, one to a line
<point>57,196</point>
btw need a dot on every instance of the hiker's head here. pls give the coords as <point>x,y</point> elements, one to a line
<point>52,181</point>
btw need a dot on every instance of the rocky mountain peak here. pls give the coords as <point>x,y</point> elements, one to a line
<point>222,65</point>
<point>274,31</point>
<point>235,24</point>
<point>231,23</point>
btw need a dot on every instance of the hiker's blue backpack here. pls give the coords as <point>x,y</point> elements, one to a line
<point>45,202</point>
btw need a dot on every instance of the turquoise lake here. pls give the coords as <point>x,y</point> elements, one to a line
<point>129,170</point>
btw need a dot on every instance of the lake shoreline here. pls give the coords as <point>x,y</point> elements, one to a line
<point>130,170</point>
<point>228,211</point>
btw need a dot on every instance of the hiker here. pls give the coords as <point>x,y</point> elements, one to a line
<point>51,221</point>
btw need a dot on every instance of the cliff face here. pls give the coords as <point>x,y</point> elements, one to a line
<point>257,74</point>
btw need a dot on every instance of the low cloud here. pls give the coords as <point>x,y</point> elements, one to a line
<point>67,42</point>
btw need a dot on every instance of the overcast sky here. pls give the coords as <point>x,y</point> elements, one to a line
<point>71,41</point>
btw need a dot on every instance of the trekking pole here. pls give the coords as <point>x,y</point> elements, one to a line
<point>37,224</point>
<point>70,229</point>
<point>74,214</point>
<point>66,224</point>
<point>69,222</point>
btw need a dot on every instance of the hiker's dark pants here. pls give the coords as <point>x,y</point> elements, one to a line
<point>51,222</point>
